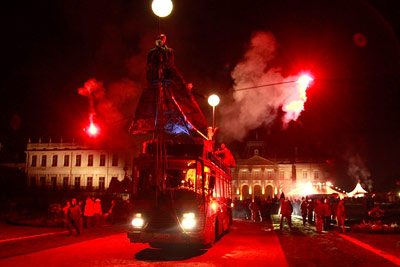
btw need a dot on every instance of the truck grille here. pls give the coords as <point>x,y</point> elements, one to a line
<point>160,220</point>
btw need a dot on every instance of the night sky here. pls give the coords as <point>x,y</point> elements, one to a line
<point>351,48</point>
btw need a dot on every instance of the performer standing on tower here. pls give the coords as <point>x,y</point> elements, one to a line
<point>160,63</point>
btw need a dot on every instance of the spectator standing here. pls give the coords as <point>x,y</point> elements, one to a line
<point>65,212</point>
<point>310,210</point>
<point>303,208</point>
<point>88,213</point>
<point>327,214</point>
<point>74,217</point>
<point>334,210</point>
<point>81,207</point>
<point>341,216</point>
<point>286,212</point>
<point>319,215</point>
<point>255,210</point>
<point>97,212</point>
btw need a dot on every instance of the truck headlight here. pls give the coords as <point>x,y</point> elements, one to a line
<point>188,221</point>
<point>137,221</point>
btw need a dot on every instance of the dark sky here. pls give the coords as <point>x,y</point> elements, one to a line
<point>51,48</point>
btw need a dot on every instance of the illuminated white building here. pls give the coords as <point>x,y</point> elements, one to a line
<point>261,177</point>
<point>73,166</point>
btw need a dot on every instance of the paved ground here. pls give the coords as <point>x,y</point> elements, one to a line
<point>247,243</point>
<point>303,245</point>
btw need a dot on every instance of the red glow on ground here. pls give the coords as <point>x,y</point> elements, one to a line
<point>387,256</point>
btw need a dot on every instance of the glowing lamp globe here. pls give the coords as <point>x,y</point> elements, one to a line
<point>213,100</point>
<point>162,8</point>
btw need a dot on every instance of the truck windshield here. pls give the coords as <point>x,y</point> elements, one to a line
<point>180,174</point>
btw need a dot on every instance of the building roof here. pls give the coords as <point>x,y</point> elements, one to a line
<point>256,160</point>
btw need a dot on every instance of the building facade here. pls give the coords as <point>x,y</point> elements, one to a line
<point>261,177</point>
<point>73,166</point>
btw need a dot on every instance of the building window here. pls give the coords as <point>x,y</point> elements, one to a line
<point>33,181</point>
<point>77,183</point>
<point>305,174</point>
<point>282,175</point>
<point>102,183</point>
<point>256,175</point>
<point>42,182</point>
<point>316,175</point>
<point>102,160</point>
<point>89,183</point>
<point>44,158</point>
<point>33,162</point>
<point>90,160</point>
<point>65,183</point>
<point>269,175</point>
<point>54,161</point>
<point>78,160</point>
<point>66,160</point>
<point>54,183</point>
<point>115,160</point>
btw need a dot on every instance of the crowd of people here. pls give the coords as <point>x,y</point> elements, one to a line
<point>321,212</point>
<point>78,214</point>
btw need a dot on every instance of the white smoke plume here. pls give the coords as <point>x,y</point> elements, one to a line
<point>255,107</point>
<point>358,170</point>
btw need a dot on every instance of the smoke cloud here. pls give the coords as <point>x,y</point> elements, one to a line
<point>115,104</point>
<point>358,170</point>
<point>259,106</point>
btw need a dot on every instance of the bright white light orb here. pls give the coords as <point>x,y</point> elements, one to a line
<point>93,129</point>
<point>213,100</point>
<point>304,81</point>
<point>162,8</point>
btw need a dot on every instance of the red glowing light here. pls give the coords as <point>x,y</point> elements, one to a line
<point>93,129</point>
<point>303,82</point>
<point>296,104</point>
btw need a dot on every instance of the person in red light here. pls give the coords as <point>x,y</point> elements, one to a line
<point>286,212</point>
<point>226,156</point>
<point>310,210</point>
<point>88,213</point>
<point>319,215</point>
<point>341,216</point>
<point>327,214</point>
<point>303,208</point>
<point>74,217</point>
<point>255,210</point>
<point>97,212</point>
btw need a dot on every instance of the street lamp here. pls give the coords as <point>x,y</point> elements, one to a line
<point>162,8</point>
<point>213,100</point>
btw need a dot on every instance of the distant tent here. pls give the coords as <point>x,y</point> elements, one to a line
<point>358,191</point>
